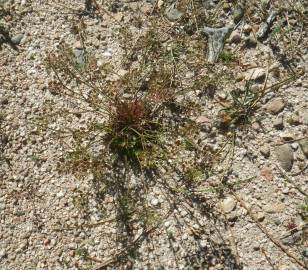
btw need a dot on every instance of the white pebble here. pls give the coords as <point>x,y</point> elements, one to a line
<point>155,202</point>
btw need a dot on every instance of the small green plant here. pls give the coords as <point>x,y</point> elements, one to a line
<point>81,201</point>
<point>127,119</point>
<point>131,128</point>
<point>240,109</point>
<point>194,175</point>
<point>227,57</point>
<point>82,252</point>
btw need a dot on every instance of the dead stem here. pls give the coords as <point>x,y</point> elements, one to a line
<point>264,230</point>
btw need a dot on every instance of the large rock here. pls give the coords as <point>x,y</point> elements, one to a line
<point>216,41</point>
<point>285,156</point>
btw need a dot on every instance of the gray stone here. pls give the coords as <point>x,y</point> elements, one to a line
<point>265,27</point>
<point>265,151</point>
<point>277,221</point>
<point>172,13</point>
<point>17,39</point>
<point>278,123</point>
<point>285,156</point>
<point>275,106</point>
<point>228,204</point>
<point>216,41</point>
<point>79,56</point>
<point>304,146</point>
<point>238,14</point>
<point>305,252</point>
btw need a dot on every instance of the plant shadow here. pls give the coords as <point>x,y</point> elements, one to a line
<point>193,240</point>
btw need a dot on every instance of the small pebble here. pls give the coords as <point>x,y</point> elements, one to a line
<point>265,151</point>
<point>260,216</point>
<point>294,146</point>
<point>17,39</point>
<point>278,123</point>
<point>275,106</point>
<point>277,221</point>
<point>255,74</point>
<point>294,120</point>
<point>203,243</point>
<point>285,156</point>
<point>167,224</point>
<point>228,204</point>
<point>155,202</point>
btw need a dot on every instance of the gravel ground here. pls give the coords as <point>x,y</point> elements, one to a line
<point>53,220</point>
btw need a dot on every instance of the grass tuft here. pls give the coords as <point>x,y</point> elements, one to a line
<point>131,128</point>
